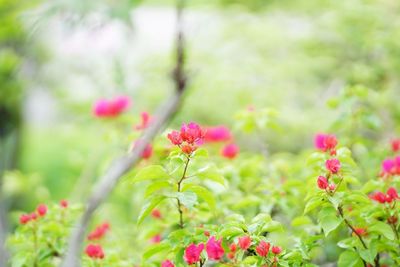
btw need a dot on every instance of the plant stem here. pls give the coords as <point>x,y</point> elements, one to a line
<point>35,247</point>
<point>179,190</point>
<point>351,227</point>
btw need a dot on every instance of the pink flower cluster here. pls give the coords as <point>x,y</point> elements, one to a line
<point>94,251</point>
<point>218,133</point>
<point>391,166</point>
<point>187,138</point>
<point>40,211</point>
<point>99,231</point>
<point>326,142</point>
<point>390,196</point>
<point>222,133</point>
<point>105,108</point>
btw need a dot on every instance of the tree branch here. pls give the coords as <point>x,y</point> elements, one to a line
<point>122,165</point>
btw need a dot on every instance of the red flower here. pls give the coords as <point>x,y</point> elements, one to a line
<point>325,142</point>
<point>391,194</point>
<point>244,242</point>
<point>33,216</point>
<point>94,251</point>
<point>214,249</point>
<point>263,248</point>
<point>64,204</point>
<point>395,145</point>
<point>24,218</point>
<point>230,151</point>
<point>192,253</point>
<point>99,232</point>
<point>322,182</point>
<point>146,119</point>
<point>191,133</point>
<point>156,214</point>
<point>175,138</point>
<point>147,152</point>
<point>378,196</point>
<point>360,231</point>
<point>276,250</point>
<point>231,255</point>
<point>217,134</point>
<point>232,247</point>
<point>41,209</point>
<point>167,263</point>
<point>333,165</point>
<point>188,149</point>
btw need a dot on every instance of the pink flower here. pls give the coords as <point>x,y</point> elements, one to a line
<point>217,134</point>
<point>111,108</point>
<point>322,182</point>
<point>167,263</point>
<point>191,133</point>
<point>244,242</point>
<point>146,119</point>
<point>378,196</point>
<point>391,194</point>
<point>325,142</point>
<point>214,249</point>
<point>276,250</point>
<point>94,251</point>
<point>395,145</point>
<point>263,248</point>
<point>230,151</point>
<point>156,239</point>
<point>388,166</point>
<point>99,231</point>
<point>156,214</point>
<point>64,203</point>
<point>24,218</point>
<point>192,253</point>
<point>100,108</point>
<point>41,209</point>
<point>147,152</point>
<point>361,231</point>
<point>175,138</point>
<point>333,165</point>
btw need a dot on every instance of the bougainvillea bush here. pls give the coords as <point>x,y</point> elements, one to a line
<point>198,199</point>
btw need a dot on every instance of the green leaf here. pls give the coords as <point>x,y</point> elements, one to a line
<point>187,198</point>
<point>383,229</point>
<point>272,226</point>
<point>301,220</point>
<point>229,232</point>
<point>328,220</point>
<point>148,207</point>
<point>155,249</point>
<point>202,193</point>
<point>313,203</point>
<point>211,172</point>
<point>350,259</point>
<point>151,173</point>
<point>201,152</point>
<point>155,186</point>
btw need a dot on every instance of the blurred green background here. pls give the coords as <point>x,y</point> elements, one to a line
<point>314,64</point>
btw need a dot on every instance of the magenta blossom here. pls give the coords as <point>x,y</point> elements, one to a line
<point>219,133</point>
<point>104,108</point>
<point>192,253</point>
<point>214,249</point>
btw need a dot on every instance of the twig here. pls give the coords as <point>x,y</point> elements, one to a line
<point>179,190</point>
<point>122,165</point>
